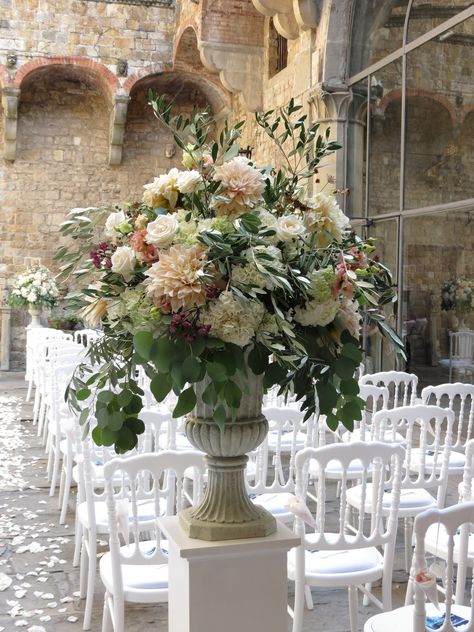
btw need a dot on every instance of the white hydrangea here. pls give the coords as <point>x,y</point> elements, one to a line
<point>232,320</point>
<point>316,313</point>
<point>248,275</point>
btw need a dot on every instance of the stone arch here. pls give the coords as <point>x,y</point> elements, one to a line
<point>186,46</point>
<point>98,74</point>
<point>396,94</point>
<point>147,143</point>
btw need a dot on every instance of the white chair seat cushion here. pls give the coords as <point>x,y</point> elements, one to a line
<point>456,460</point>
<point>412,501</point>
<point>275,504</point>
<point>143,583</point>
<point>436,542</point>
<point>146,514</point>
<point>286,440</point>
<point>338,568</point>
<point>401,619</point>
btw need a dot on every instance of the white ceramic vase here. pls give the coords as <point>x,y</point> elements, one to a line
<point>226,512</point>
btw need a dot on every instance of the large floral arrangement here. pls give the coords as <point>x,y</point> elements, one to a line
<point>222,266</point>
<point>35,287</point>
<point>458,295</point>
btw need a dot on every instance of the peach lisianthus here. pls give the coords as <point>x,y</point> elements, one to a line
<point>177,279</point>
<point>241,183</point>
<point>144,251</point>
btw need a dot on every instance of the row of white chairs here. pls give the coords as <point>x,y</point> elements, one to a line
<point>285,441</point>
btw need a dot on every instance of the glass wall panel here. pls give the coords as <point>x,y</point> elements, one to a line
<point>377,31</point>
<point>437,250</point>
<point>384,140</point>
<point>425,16</point>
<point>379,354</point>
<point>439,162</point>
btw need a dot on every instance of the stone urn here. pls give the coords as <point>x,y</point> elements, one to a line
<point>226,512</point>
<point>35,314</point>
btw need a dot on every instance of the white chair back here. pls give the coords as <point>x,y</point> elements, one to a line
<point>427,455</point>
<point>376,398</point>
<point>454,520</point>
<point>150,477</point>
<point>459,398</point>
<point>378,463</point>
<point>402,386</point>
<point>275,457</point>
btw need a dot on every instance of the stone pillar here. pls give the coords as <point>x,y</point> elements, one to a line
<point>331,108</point>
<point>5,334</point>
<point>10,101</point>
<point>118,119</point>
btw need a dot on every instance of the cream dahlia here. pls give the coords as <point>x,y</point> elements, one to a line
<point>176,280</point>
<point>325,218</point>
<point>241,184</point>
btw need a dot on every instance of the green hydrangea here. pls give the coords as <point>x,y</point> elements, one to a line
<point>321,283</point>
<point>135,311</point>
<point>222,224</point>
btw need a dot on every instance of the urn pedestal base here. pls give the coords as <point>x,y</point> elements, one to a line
<point>226,512</point>
<point>235,585</point>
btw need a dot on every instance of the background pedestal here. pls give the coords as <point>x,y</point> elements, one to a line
<point>229,586</point>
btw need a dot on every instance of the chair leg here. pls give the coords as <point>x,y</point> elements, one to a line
<point>408,547</point>
<point>308,597</point>
<point>107,625</point>
<point>36,407</point>
<point>365,599</point>
<point>62,480</point>
<point>66,492</point>
<point>353,608</point>
<point>30,388</point>
<point>92,560</point>
<point>84,567</point>
<point>55,472</point>
<point>78,542</point>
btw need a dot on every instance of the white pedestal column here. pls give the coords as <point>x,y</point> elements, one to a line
<point>228,586</point>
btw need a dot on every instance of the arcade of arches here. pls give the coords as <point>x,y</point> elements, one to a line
<point>393,79</point>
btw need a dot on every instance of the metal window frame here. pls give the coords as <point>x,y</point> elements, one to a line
<point>403,213</point>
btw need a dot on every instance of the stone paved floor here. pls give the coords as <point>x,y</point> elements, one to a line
<point>36,553</point>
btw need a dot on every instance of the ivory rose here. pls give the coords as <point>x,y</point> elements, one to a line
<point>189,181</point>
<point>123,262</point>
<point>112,222</point>
<point>288,227</point>
<point>162,230</point>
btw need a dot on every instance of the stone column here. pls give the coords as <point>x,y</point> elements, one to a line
<point>5,335</point>
<point>331,109</point>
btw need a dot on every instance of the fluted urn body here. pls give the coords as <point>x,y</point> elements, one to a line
<point>226,512</point>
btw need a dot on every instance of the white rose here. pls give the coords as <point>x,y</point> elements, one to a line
<point>162,230</point>
<point>289,227</point>
<point>123,262</point>
<point>113,221</point>
<point>188,181</point>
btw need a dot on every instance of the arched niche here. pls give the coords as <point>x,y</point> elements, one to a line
<point>147,142</point>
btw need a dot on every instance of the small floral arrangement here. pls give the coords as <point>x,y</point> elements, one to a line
<point>458,295</point>
<point>36,288</point>
<point>225,268</point>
